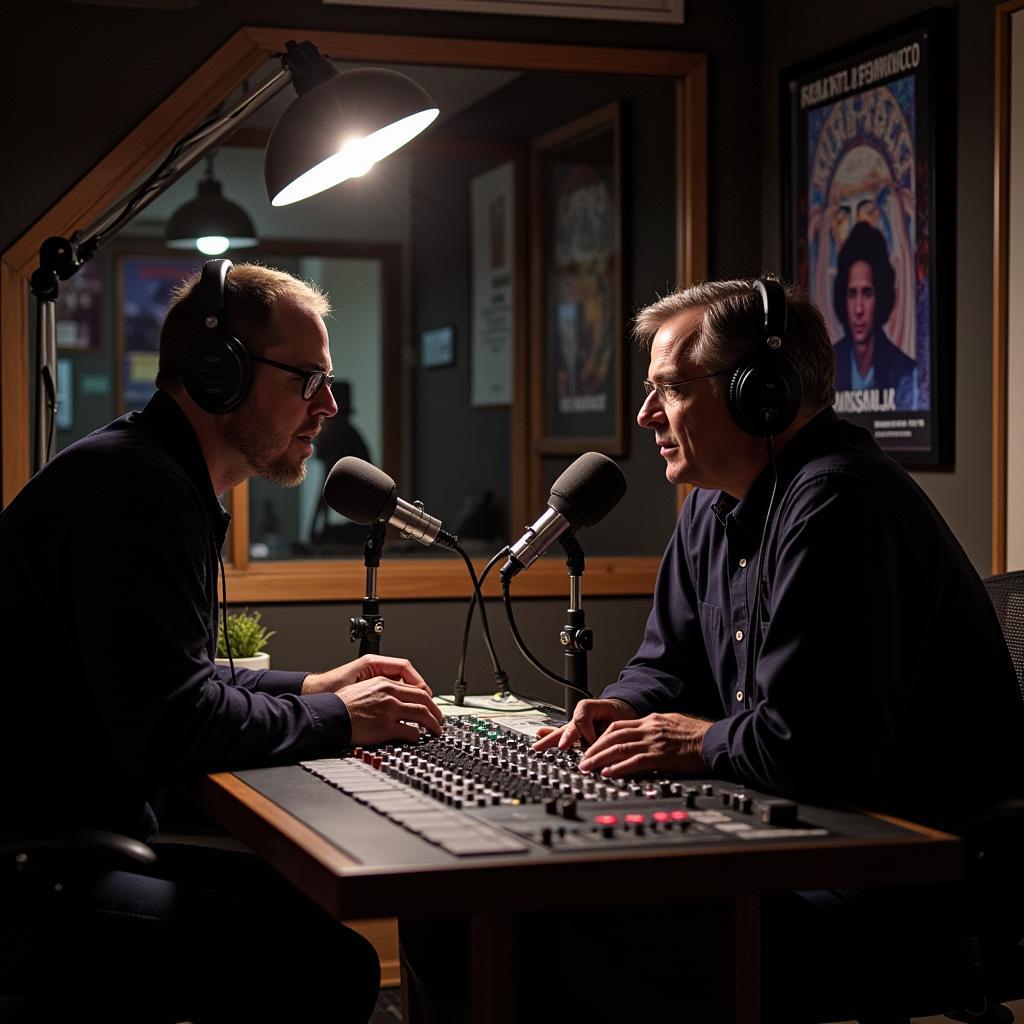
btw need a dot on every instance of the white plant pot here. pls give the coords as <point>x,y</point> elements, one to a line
<point>257,661</point>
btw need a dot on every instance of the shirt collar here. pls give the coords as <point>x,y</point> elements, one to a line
<point>750,511</point>
<point>163,416</point>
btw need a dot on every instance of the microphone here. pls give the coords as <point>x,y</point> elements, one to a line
<point>366,494</point>
<point>583,495</point>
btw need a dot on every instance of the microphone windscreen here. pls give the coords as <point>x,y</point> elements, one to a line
<point>360,491</point>
<point>588,490</point>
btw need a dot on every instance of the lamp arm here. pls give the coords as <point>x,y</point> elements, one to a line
<point>60,258</point>
<point>182,156</point>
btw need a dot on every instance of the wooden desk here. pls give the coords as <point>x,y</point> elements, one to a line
<point>355,863</point>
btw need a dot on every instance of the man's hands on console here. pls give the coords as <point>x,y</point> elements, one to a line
<point>387,699</point>
<point>589,720</point>
<point>621,744</point>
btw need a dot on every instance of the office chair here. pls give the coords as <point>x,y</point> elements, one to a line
<point>1006,592</point>
<point>39,872</point>
<point>993,853</point>
<point>994,843</point>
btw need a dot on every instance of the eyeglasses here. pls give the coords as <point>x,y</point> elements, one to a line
<point>312,380</point>
<point>668,390</point>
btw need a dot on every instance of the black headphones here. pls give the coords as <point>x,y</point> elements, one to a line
<point>764,390</point>
<point>218,371</point>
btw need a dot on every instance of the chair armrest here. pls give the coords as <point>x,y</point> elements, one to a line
<point>75,849</point>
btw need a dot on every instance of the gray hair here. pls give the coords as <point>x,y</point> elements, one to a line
<point>732,327</point>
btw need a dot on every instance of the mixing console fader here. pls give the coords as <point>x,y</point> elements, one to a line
<point>479,788</point>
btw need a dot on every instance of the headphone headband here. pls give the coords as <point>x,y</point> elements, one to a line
<point>212,283</point>
<point>764,389</point>
<point>218,368</point>
<point>776,309</point>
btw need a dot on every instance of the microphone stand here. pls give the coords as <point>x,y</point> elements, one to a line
<point>575,637</point>
<point>368,628</point>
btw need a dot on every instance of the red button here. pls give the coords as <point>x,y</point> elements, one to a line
<point>680,816</point>
<point>607,819</point>
<point>661,816</point>
<point>636,819</point>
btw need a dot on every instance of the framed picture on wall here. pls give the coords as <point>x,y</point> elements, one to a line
<point>145,284</point>
<point>576,288</point>
<point>867,176</point>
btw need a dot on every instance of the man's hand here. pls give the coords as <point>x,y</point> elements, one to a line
<point>384,697</point>
<point>659,742</point>
<point>383,709</point>
<point>588,721</point>
<point>358,671</point>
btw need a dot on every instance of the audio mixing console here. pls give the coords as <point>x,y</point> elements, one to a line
<point>480,789</point>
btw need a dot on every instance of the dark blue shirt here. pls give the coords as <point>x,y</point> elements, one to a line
<point>108,599</point>
<point>881,674</point>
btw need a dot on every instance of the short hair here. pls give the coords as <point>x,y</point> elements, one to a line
<point>732,329</point>
<point>251,292</point>
<point>867,244</point>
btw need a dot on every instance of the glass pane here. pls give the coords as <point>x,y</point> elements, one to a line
<point>293,522</point>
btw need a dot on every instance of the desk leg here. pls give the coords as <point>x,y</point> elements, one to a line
<point>747,958</point>
<point>491,969</point>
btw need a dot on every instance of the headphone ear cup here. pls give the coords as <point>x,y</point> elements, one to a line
<point>764,395</point>
<point>218,373</point>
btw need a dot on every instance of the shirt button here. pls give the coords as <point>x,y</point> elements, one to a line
<point>739,696</point>
<point>743,563</point>
<point>739,634</point>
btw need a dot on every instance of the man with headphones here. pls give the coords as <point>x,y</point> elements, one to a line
<point>816,629</point>
<point>110,558</point>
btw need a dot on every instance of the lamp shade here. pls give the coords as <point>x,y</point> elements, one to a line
<point>210,223</point>
<point>340,128</point>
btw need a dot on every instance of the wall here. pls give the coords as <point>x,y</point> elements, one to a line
<point>795,31</point>
<point>316,637</point>
<point>525,109</point>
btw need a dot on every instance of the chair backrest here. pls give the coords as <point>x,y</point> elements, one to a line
<point>1007,594</point>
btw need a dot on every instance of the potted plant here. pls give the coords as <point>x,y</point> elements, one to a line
<point>248,637</point>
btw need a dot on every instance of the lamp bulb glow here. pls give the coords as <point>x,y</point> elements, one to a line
<point>212,245</point>
<point>355,158</point>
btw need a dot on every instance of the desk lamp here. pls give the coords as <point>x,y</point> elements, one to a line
<point>340,124</point>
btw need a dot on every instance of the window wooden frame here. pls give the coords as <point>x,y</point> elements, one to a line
<point>212,83</point>
<point>1001,280</point>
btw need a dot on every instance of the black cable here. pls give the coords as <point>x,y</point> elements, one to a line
<point>500,677</point>
<point>155,178</point>
<point>524,650</point>
<point>755,618</point>
<point>224,611</point>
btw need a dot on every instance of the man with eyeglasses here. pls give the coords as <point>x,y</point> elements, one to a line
<point>110,567</point>
<point>870,668</point>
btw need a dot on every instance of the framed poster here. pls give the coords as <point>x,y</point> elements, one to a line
<point>492,237</point>
<point>866,186</point>
<point>576,292</point>
<point>145,285</point>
